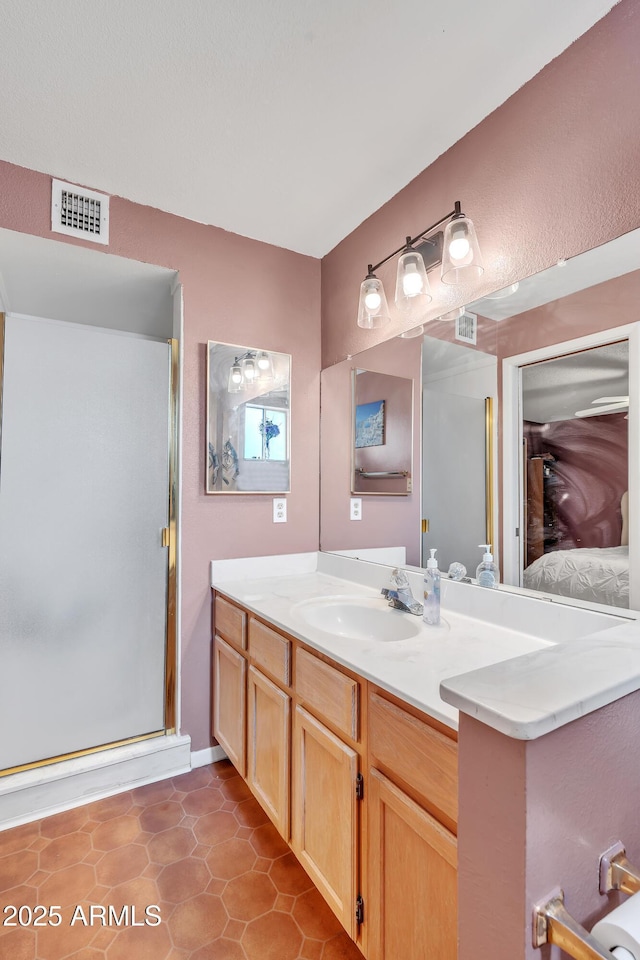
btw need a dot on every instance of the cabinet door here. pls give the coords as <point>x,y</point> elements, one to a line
<point>229,702</point>
<point>323,812</point>
<point>268,747</point>
<point>412,878</point>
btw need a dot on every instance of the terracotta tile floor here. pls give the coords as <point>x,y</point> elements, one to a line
<point>198,846</point>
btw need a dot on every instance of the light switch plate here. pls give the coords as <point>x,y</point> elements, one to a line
<point>355,511</point>
<point>279,509</point>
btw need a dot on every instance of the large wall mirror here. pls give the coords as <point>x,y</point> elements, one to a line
<point>248,412</point>
<point>561,351</point>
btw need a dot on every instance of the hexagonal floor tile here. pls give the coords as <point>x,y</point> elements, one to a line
<point>249,896</point>
<point>199,846</point>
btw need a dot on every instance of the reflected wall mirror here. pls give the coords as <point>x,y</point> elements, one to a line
<point>595,295</point>
<point>382,417</point>
<point>248,420</point>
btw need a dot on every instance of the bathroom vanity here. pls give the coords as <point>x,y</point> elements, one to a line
<point>328,703</point>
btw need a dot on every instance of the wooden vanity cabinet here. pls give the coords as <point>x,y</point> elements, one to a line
<point>229,702</point>
<point>326,784</point>
<point>362,785</point>
<point>269,722</point>
<point>412,846</point>
<point>230,680</point>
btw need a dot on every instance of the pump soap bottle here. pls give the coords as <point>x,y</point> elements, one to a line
<point>487,573</point>
<point>431,609</point>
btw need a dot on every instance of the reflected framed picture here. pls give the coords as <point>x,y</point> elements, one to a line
<point>370,424</point>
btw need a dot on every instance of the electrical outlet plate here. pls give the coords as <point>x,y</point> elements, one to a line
<point>355,510</point>
<point>279,509</point>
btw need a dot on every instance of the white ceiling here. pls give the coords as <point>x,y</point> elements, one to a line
<point>289,121</point>
<point>555,389</point>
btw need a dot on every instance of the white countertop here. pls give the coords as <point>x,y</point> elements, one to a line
<point>522,665</point>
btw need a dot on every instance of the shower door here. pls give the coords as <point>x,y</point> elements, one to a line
<point>84,493</point>
<point>454,489</point>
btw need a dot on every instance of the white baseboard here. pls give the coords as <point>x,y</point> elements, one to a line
<point>43,791</point>
<point>200,758</point>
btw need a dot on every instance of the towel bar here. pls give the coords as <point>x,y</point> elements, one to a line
<point>552,923</point>
<point>381,474</point>
<point>616,873</point>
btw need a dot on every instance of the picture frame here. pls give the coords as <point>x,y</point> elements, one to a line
<point>370,424</point>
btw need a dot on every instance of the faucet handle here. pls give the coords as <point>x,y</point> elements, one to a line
<point>399,577</point>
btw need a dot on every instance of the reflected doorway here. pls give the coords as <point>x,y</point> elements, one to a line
<point>572,463</point>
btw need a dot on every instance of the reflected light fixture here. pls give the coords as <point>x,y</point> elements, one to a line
<point>458,251</point>
<point>265,366</point>
<point>454,314</point>
<point>248,369</point>
<point>235,377</point>
<point>414,332</point>
<point>505,292</point>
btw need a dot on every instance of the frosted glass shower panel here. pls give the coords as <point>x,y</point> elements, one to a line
<point>83,574</point>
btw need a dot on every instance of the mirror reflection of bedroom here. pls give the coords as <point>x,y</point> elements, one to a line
<point>575,475</point>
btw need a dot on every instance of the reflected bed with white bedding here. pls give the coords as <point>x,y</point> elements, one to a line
<point>598,574</point>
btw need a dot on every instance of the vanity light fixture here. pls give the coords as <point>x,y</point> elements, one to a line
<point>250,368</point>
<point>457,250</point>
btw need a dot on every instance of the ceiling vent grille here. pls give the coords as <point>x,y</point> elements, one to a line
<point>467,328</point>
<point>78,212</point>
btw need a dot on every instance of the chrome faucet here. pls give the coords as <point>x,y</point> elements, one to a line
<point>399,594</point>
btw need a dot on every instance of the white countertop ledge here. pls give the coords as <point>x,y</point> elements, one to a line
<point>534,694</point>
<point>520,664</point>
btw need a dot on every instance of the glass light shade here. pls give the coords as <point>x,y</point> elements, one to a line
<point>501,294</point>
<point>461,258</point>
<point>265,366</point>
<point>373,310</point>
<point>412,285</point>
<point>414,332</point>
<point>235,378</point>
<point>452,314</point>
<point>249,369</point>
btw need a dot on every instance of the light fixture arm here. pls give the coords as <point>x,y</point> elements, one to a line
<point>453,215</point>
<point>455,247</point>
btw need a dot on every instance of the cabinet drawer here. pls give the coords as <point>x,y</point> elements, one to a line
<point>230,622</point>
<point>422,757</point>
<point>270,651</point>
<point>329,693</point>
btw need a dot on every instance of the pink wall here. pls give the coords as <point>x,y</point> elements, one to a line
<point>536,815</point>
<point>549,174</point>
<point>386,521</point>
<point>218,304</point>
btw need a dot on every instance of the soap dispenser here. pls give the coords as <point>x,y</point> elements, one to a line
<point>487,573</point>
<point>431,609</point>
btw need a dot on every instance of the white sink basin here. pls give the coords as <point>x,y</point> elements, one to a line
<point>359,618</point>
